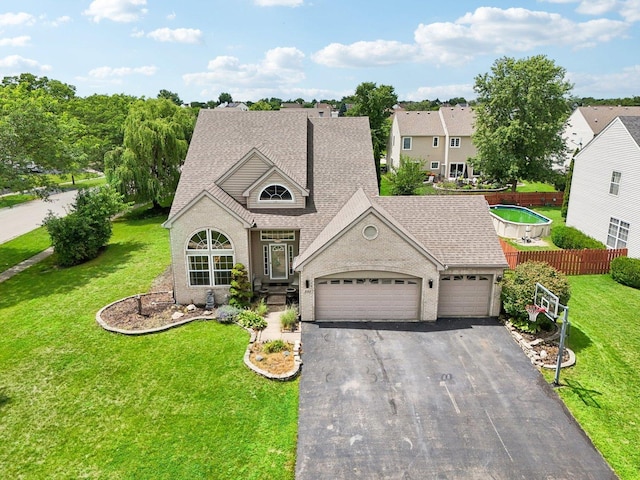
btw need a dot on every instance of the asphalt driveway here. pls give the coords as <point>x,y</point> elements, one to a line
<point>453,400</point>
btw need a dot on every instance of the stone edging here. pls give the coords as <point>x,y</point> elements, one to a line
<point>282,377</point>
<point>527,347</point>
<point>272,376</point>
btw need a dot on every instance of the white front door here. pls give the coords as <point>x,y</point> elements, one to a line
<point>278,264</point>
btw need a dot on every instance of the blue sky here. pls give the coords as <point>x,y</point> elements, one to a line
<point>315,48</point>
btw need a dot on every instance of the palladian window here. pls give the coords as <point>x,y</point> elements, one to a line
<point>276,193</point>
<point>210,258</point>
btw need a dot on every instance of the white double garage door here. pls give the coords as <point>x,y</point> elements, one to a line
<point>398,299</point>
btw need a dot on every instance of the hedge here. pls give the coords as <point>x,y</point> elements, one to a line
<point>626,271</point>
<point>571,238</point>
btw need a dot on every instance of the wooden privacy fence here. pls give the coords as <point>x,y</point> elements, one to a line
<point>526,199</point>
<point>570,262</point>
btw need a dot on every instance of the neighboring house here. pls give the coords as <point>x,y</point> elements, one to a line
<point>442,139</point>
<point>604,201</point>
<point>234,106</point>
<point>294,198</point>
<point>587,122</point>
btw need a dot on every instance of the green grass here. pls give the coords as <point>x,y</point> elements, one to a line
<point>16,199</point>
<point>602,388</point>
<point>23,247</point>
<point>79,402</point>
<point>535,187</point>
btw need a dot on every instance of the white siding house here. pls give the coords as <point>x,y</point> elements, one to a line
<point>604,201</point>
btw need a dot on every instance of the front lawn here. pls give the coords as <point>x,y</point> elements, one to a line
<point>602,388</point>
<point>79,402</point>
<point>23,247</point>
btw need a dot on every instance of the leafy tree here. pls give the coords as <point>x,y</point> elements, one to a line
<point>156,138</point>
<point>32,132</point>
<point>225,98</point>
<point>408,177</point>
<point>80,235</point>
<point>376,103</point>
<point>172,96</point>
<point>567,187</point>
<point>521,111</point>
<point>261,105</point>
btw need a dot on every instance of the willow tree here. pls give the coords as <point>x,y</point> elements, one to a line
<point>521,111</point>
<point>156,137</point>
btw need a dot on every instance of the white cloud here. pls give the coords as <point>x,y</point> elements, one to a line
<point>110,72</point>
<point>16,64</point>
<point>496,31</point>
<point>13,19</point>
<point>628,9</point>
<point>21,41</point>
<point>279,3</point>
<point>280,66</point>
<point>443,92</point>
<point>365,54</point>
<point>137,33</point>
<point>116,10</point>
<point>177,35</point>
<point>61,20</point>
<point>625,83</point>
<point>171,16</point>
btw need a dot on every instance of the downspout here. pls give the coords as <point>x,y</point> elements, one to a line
<point>446,145</point>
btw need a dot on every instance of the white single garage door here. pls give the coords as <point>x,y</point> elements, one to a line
<point>367,299</point>
<point>464,295</point>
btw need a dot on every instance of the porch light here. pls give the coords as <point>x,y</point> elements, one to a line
<point>431,283</point>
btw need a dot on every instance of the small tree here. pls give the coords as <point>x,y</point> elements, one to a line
<point>80,235</point>
<point>408,177</point>
<point>240,292</point>
<point>519,287</point>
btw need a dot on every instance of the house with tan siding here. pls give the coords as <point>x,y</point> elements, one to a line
<point>604,201</point>
<point>294,198</point>
<point>441,138</point>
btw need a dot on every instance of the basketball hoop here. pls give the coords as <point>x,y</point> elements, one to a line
<point>533,311</point>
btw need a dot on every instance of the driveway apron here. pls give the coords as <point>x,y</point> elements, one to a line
<point>457,399</point>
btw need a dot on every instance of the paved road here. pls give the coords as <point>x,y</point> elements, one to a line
<point>23,218</point>
<point>453,400</point>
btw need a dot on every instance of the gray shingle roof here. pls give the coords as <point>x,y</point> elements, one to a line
<point>458,120</point>
<point>423,123</point>
<point>632,123</point>
<point>600,116</point>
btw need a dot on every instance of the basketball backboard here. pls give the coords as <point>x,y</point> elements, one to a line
<point>545,298</point>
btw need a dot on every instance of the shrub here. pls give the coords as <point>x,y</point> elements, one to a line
<point>408,178</point>
<point>250,319</point>
<point>626,271</point>
<point>289,318</point>
<point>261,308</point>
<point>228,313</point>
<point>518,291</point>
<point>274,346</point>
<point>573,239</point>
<point>79,236</point>
<point>240,292</point>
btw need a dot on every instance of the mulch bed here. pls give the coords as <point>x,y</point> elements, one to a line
<point>277,363</point>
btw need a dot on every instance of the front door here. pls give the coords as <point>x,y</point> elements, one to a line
<point>278,267</point>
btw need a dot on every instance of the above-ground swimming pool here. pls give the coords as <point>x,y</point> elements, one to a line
<point>511,221</point>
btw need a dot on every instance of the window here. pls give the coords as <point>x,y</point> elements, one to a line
<point>618,233</point>
<point>271,235</point>
<point>276,193</point>
<point>454,142</point>
<point>615,183</point>
<point>210,258</point>
<point>456,170</point>
<point>434,165</point>
<point>406,143</point>
<point>290,251</point>
<point>436,142</point>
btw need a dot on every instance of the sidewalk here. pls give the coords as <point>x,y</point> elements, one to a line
<point>7,274</point>
<point>273,331</point>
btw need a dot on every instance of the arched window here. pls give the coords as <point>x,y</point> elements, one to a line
<point>276,193</point>
<point>210,258</point>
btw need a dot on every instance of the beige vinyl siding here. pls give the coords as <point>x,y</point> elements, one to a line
<point>591,206</point>
<point>243,177</point>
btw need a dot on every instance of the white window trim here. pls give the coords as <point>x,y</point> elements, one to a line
<point>455,142</point>
<point>410,143</point>
<point>436,142</point>
<point>615,240</point>
<point>456,163</point>
<point>209,253</point>
<point>276,202</point>
<point>434,165</point>
<point>613,185</point>
<point>271,235</point>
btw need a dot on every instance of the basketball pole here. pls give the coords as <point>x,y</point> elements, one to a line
<point>563,334</point>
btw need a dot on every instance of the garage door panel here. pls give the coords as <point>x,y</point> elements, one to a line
<point>365,299</point>
<point>464,295</point>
